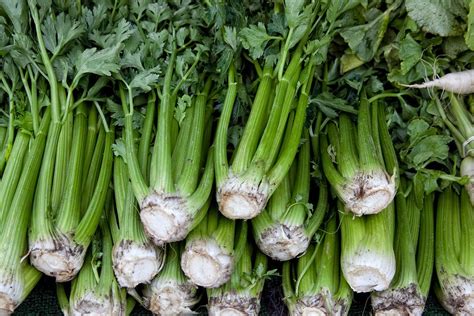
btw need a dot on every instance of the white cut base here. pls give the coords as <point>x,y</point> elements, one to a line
<point>167,297</point>
<point>60,258</point>
<point>232,304</point>
<point>367,272</point>
<point>92,305</point>
<point>165,218</point>
<point>404,301</point>
<point>368,192</point>
<point>282,242</point>
<point>458,292</point>
<point>206,264</point>
<point>136,263</point>
<point>241,199</point>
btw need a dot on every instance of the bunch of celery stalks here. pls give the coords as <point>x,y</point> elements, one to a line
<point>119,178</point>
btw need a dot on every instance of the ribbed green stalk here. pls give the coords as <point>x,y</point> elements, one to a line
<point>93,170</point>
<point>3,136</point>
<point>85,281</point>
<point>146,134</point>
<point>12,173</point>
<point>107,278</point>
<point>306,271</point>
<point>347,158</point>
<point>189,175</point>
<point>222,230</point>
<point>320,211</point>
<point>180,148</point>
<point>466,258</point>
<point>89,222</point>
<point>221,164</point>
<point>91,140</point>
<point>13,241</point>
<point>128,219</point>
<point>368,157</point>
<point>327,266</point>
<point>343,298</point>
<point>330,171</point>
<point>31,276</point>
<point>255,124</point>
<point>138,181</point>
<point>70,211</point>
<point>62,164</point>
<point>162,150</point>
<point>425,251</point>
<point>388,151</point>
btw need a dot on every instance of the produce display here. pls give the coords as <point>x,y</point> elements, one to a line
<point>180,155</point>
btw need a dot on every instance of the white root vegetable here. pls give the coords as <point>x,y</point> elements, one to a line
<point>458,82</point>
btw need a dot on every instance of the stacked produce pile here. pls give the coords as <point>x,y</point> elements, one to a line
<point>166,153</point>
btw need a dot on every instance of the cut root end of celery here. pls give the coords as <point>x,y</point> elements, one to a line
<point>282,242</point>
<point>136,263</point>
<point>60,258</point>
<point>368,192</point>
<point>7,305</point>
<point>310,306</point>
<point>367,278</point>
<point>166,218</point>
<point>232,304</point>
<point>171,298</point>
<point>90,304</point>
<point>242,199</point>
<point>206,263</point>
<point>400,301</point>
<point>458,294</point>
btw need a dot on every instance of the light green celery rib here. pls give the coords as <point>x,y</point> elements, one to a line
<point>462,117</point>
<point>202,192</point>
<point>344,295</point>
<point>41,225</point>
<point>181,146</point>
<point>306,271</point>
<point>380,231</point>
<point>297,214</point>
<point>368,153</point>
<point>273,133</point>
<point>12,173</point>
<point>164,181</point>
<point>353,231</point>
<point>330,171</point>
<point>129,222</point>
<point>61,164</point>
<point>146,134</point>
<point>63,300</point>
<point>447,263</point>
<point>375,130</point>
<point>140,189</point>
<point>189,175</point>
<point>107,278</point>
<point>466,258</point>
<point>405,249</point>
<point>425,252</point>
<point>221,164</point>
<point>347,158</point>
<point>319,212</point>
<point>69,213</point>
<point>55,106</point>
<point>85,281</point>
<point>224,233</point>
<point>315,136</point>
<point>172,268</point>
<point>288,153</point>
<point>201,230</point>
<point>263,221</point>
<point>260,261</point>
<point>327,268</point>
<point>255,124</point>
<point>280,200</point>
<point>388,151</point>
<point>456,227</point>
<point>32,96</point>
<point>243,266</point>
<point>241,239</point>
<point>287,283</point>
<point>89,222</point>
<point>94,170</point>
<point>13,241</point>
<point>31,276</point>
<point>91,140</point>
<point>414,217</point>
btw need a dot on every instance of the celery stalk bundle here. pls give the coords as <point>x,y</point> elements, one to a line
<point>17,185</point>
<point>173,187</point>
<point>414,251</point>
<point>171,292</point>
<point>367,254</point>
<point>284,229</point>
<point>245,185</point>
<point>241,294</point>
<point>360,178</point>
<point>313,284</point>
<point>95,292</point>
<point>135,259</point>
<point>454,252</point>
<point>212,249</point>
